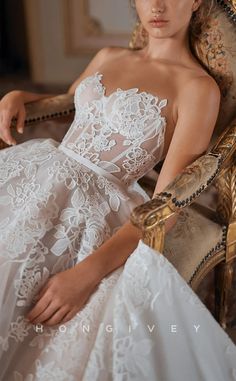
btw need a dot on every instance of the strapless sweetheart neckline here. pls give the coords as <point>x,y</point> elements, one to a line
<point>98,75</point>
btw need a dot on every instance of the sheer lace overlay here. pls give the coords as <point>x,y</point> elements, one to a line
<point>122,133</point>
<point>58,203</point>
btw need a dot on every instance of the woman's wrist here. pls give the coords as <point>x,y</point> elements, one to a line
<point>93,267</point>
<point>27,96</point>
<point>18,94</point>
<point>114,252</point>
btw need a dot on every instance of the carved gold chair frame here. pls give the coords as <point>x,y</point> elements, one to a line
<point>217,167</point>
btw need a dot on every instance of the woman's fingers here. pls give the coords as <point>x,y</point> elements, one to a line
<point>48,313</point>
<point>39,295</point>
<point>5,128</point>
<point>21,120</point>
<point>39,307</point>
<point>5,125</point>
<point>11,105</point>
<point>58,316</point>
<point>68,316</point>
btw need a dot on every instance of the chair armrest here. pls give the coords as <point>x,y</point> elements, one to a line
<point>181,192</point>
<point>152,212</point>
<point>226,143</point>
<point>189,184</point>
<point>48,108</point>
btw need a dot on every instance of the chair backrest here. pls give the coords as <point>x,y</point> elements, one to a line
<point>216,49</point>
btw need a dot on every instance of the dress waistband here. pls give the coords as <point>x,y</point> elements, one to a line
<point>134,187</point>
<point>95,168</point>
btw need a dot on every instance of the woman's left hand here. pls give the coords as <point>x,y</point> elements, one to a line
<point>64,295</point>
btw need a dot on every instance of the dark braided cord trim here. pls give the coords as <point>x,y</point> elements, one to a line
<point>219,246</point>
<point>228,8</point>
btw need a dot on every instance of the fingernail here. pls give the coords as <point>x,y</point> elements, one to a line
<point>10,143</point>
<point>21,131</point>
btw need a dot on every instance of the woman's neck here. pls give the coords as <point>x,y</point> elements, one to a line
<point>176,50</point>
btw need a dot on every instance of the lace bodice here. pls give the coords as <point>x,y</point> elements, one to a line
<point>123,132</point>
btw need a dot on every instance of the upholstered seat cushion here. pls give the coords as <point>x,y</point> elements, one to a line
<point>191,239</point>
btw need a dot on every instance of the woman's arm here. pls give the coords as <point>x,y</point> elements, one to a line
<point>27,96</point>
<point>94,64</point>
<point>13,103</point>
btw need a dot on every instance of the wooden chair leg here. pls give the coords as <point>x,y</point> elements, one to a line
<point>223,286</point>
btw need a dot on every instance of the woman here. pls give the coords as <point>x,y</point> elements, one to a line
<point>82,297</point>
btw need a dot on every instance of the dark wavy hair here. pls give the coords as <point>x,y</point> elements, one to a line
<point>200,19</point>
<point>198,24</point>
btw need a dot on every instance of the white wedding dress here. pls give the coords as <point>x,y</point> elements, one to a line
<point>59,202</point>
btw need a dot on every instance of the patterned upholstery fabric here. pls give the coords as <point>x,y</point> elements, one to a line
<point>217,50</point>
<point>186,244</point>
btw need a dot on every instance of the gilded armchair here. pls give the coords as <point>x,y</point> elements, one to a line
<point>185,245</point>
<point>203,238</point>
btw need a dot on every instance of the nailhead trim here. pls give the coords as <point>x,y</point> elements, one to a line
<point>164,195</point>
<point>187,201</point>
<point>228,8</point>
<point>221,244</point>
<point>49,116</point>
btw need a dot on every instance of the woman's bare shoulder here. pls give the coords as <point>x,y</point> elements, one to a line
<point>202,86</point>
<point>109,53</point>
<point>112,52</point>
<point>104,56</point>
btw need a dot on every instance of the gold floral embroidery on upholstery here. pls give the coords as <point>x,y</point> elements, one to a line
<point>214,54</point>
